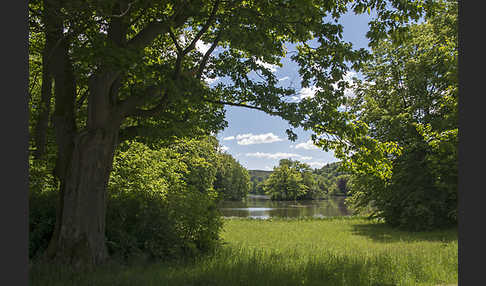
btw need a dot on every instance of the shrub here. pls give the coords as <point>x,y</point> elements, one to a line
<point>160,203</point>
<point>43,198</point>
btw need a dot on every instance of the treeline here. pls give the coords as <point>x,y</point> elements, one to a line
<point>161,199</point>
<point>257,177</point>
<point>294,180</point>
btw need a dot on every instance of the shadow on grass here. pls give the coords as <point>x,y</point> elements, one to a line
<point>242,267</point>
<point>243,272</point>
<point>381,232</point>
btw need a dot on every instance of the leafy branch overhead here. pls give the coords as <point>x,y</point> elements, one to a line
<point>150,50</point>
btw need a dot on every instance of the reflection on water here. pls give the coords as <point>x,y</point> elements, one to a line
<point>259,206</point>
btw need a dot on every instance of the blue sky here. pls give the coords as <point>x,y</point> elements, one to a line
<point>258,140</point>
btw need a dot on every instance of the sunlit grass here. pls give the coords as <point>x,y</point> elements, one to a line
<point>339,251</point>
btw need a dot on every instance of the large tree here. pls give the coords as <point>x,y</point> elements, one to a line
<point>400,140</point>
<point>119,69</point>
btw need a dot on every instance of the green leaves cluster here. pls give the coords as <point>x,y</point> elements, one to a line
<point>232,180</point>
<point>162,202</point>
<point>291,180</point>
<point>332,180</point>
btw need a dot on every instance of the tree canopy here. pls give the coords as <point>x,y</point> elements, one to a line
<point>400,140</point>
<point>232,180</point>
<point>291,180</point>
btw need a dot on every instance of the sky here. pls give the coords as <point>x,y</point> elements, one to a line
<point>258,141</point>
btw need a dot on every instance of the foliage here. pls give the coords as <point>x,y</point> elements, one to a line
<point>132,70</point>
<point>162,202</point>
<point>400,141</point>
<point>43,198</point>
<point>232,180</point>
<point>291,180</point>
<point>257,178</point>
<point>332,179</point>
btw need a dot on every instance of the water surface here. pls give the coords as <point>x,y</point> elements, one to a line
<point>260,206</point>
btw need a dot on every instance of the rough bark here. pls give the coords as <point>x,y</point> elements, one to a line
<point>81,238</point>
<point>84,158</point>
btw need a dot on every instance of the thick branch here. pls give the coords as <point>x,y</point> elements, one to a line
<point>178,62</point>
<point>45,106</point>
<point>147,35</point>
<point>153,111</point>
<point>205,58</point>
<point>203,29</point>
<point>174,39</point>
<point>157,28</point>
<point>129,105</point>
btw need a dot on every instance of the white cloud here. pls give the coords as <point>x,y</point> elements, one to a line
<point>278,155</point>
<point>348,77</point>
<point>294,98</point>
<point>316,165</point>
<point>224,148</point>
<point>272,68</point>
<point>268,168</point>
<point>308,145</point>
<point>311,90</point>
<point>284,78</point>
<point>249,138</point>
<point>228,138</point>
<point>308,91</point>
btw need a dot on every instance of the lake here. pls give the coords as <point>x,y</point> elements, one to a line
<point>260,206</point>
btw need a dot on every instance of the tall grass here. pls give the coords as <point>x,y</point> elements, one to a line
<point>340,251</point>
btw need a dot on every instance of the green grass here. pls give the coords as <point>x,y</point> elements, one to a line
<point>338,251</point>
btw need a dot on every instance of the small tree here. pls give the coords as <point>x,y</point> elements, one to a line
<point>291,180</point>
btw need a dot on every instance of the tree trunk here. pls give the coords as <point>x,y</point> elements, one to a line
<point>81,236</point>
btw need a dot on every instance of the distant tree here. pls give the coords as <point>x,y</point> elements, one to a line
<point>291,180</point>
<point>232,180</point>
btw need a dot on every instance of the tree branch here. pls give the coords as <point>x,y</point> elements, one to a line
<point>156,28</point>
<point>125,12</point>
<point>203,30</point>
<point>205,58</point>
<point>241,105</point>
<point>127,106</point>
<point>174,39</point>
<point>153,111</point>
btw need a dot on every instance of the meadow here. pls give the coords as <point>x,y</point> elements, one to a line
<point>328,251</point>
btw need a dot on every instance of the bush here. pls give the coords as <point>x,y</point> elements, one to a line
<point>43,198</point>
<point>160,203</point>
